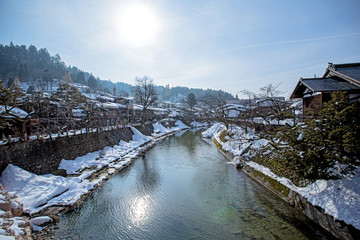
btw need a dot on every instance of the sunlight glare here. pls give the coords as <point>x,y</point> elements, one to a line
<point>137,25</point>
<point>140,209</point>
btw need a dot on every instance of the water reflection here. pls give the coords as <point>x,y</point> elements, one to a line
<point>149,177</point>
<point>140,209</point>
<point>188,140</point>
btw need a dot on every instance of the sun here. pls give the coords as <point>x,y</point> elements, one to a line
<point>137,25</point>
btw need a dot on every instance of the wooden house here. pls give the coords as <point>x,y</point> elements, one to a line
<point>337,77</point>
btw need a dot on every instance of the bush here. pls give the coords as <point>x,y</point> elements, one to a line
<point>325,146</point>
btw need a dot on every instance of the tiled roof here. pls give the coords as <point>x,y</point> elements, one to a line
<point>328,84</point>
<point>322,85</point>
<point>347,70</point>
<point>353,72</point>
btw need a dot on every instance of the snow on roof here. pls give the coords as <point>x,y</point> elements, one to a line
<point>174,114</point>
<point>55,103</point>
<point>137,107</point>
<point>109,99</point>
<point>112,105</point>
<point>235,107</point>
<point>297,104</point>
<point>90,95</point>
<point>14,112</point>
<point>78,112</point>
<point>270,100</point>
<point>158,109</point>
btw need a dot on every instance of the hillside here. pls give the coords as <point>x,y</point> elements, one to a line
<point>39,68</point>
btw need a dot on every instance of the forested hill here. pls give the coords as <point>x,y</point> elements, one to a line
<point>38,67</point>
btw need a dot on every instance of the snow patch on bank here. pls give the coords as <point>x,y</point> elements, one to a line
<point>339,198</point>
<point>37,192</point>
<point>40,191</point>
<point>209,133</point>
<point>159,129</point>
<point>179,125</point>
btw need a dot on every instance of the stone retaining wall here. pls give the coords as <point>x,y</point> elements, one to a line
<point>44,156</point>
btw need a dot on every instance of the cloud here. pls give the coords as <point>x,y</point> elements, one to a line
<point>302,40</point>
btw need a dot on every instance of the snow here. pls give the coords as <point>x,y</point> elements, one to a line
<point>159,129</point>
<point>14,112</point>
<point>179,126</point>
<point>37,192</point>
<point>38,221</point>
<point>287,121</point>
<point>174,114</point>
<point>71,166</point>
<point>139,137</point>
<point>18,221</point>
<point>195,124</point>
<point>112,105</point>
<point>339,198</point>
<point>2,237</point>
<point>300,137</point>
<point>209,133</point>
<point>41,220</point>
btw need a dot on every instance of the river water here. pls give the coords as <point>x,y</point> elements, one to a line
<point>184,189</point>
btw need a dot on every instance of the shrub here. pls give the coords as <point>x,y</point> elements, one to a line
<point>324,143</point>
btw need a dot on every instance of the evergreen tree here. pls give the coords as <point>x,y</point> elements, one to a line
<point>191,100</point>
<point>80,77</point>
<point>325,143</point>
<point>92,82</point>
<point>10,98</point>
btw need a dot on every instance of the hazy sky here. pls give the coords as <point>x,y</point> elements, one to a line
<point>223,44</point>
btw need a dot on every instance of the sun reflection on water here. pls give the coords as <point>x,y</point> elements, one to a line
<point>140,209</point>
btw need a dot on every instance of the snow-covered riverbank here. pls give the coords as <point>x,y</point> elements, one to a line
<point>339,198</point>
<point>37,192</point>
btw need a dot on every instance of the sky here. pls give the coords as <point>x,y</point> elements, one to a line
<point>231,45</point>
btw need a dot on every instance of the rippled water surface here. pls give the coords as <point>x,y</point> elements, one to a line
<point>184,189</point>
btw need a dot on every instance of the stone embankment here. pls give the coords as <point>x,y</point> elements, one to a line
<point>337,228</point>
<point>44,156</point>
<point>12,223</point>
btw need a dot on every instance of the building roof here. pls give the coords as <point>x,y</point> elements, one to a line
<point>322,85</point>
<point>111,105</point>
<point>328,84</point>
<point>14,112</point>
<point>347,71</point>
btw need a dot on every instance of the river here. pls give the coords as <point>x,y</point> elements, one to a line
<point>184,189</point>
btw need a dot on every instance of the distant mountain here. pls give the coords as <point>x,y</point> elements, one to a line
<point>39,68</point>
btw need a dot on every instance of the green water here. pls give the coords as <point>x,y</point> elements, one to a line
<point>184,189</point>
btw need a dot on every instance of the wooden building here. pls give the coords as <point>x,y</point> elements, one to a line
<point>337,77</point>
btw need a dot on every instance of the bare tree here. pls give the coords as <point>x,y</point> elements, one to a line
<point>216,106</point>
<point>276,104</point>
<point>145,94</point>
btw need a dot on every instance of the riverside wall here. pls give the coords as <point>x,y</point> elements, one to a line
<point>44,156</point>
<point>337,228</point>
